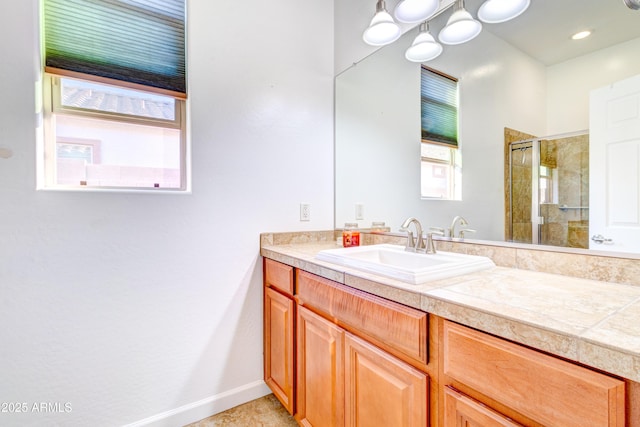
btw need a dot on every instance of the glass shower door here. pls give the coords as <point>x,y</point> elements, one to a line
<point>563,178</point>
<point>522,192</point>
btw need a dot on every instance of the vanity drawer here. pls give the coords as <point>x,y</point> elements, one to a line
<point>278,275</point>
<point>460,409</point>
<point>399,329</point>
<point>548,390</point>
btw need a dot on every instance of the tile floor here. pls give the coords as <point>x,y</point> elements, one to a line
<point>263,412</point>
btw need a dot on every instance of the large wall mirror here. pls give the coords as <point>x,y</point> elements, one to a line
<point>526,74</point>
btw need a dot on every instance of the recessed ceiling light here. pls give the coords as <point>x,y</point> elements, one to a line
<point>581,35</point>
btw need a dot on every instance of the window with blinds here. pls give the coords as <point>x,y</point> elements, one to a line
<point>439,108</point>
<point>441,158</point>
<point>115,74</point>
<point>133,41</point>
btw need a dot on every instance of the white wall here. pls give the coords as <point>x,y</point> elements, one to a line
<point>569,83</point>
<point>129,306</point>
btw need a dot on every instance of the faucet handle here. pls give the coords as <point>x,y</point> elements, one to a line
<point>466,230</point>
<point>438,231</point>
<point>430,246</point>
<point>411,245</point>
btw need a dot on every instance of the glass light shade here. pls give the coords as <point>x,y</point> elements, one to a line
<point>496,11</point>
<point>460,28</point>
<point>412,11</point>
<point>632,4</point>
<point>424,47</point>
<point>383,29</point>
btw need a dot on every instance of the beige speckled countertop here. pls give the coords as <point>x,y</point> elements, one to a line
<point>592,322</point>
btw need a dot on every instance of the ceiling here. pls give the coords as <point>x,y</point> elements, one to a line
<point>549,24</point>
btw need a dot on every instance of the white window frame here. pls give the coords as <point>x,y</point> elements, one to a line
<point>52,107</point>
<point>454,168</point>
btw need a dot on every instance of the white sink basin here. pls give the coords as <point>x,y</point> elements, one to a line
<point>415,268</point>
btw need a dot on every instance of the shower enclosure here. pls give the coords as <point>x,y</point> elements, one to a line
<point>548,186</point>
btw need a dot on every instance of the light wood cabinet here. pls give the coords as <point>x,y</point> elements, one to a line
<point>381,390</point>
<point>463,411</point>
<point>359,358</point>
<point>320,396</point>
<point>279,332</point>
<point>336,356</point>
<point>346,381</point>
<point>396,328</point>
<point>526,385</point>
<point>279,276</point>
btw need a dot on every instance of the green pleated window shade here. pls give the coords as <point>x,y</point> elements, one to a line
<point>140,42</point>
<point>439,109</point>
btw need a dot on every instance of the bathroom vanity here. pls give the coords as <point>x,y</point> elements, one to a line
<point>498,347</point>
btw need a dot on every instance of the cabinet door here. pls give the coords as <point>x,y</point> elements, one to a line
<point>279,276</point>
<point>320,382</point>
<point>380,389</point>
<point>278,346</point>
<point>462,411</point>
<point>548,390</point>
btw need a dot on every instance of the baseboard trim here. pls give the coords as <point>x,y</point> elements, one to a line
<point>204,408</point>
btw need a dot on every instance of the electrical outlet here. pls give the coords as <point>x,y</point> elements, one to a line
<point>305,212</point>
<point>359,211</point>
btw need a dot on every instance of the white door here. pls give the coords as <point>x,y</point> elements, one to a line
<point>614,164</point>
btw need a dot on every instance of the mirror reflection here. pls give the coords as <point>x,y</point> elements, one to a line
<point>523,80</point>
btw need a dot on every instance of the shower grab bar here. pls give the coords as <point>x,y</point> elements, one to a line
<point>565,207</point>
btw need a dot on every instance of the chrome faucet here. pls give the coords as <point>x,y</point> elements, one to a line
<point>458,220</point>
<point>417,244</point>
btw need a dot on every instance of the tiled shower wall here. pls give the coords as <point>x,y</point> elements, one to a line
<point>566,218</point>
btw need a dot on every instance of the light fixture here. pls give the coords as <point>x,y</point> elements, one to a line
<point>424,47</point>
<point>581,35</point>
<point>382,30</point>
<point>496,11</point>
<point>632,4</point>
<point>412,11</point>
<point>461,27</point>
